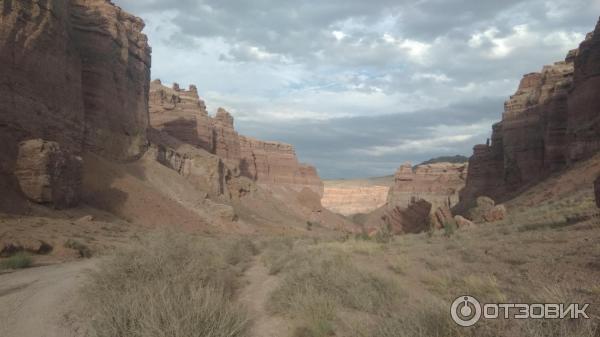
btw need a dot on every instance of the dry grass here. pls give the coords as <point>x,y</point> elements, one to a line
<point>404,288</point>
<point>170,285</point>
<point>320,280</point>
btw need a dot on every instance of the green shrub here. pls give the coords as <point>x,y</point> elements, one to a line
<point>83,250</point>
<point>20,260</point>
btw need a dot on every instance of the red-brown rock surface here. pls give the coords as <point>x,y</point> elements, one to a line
<point>420,198</point>
<point>551,122</point>
<point>348,200</point>
<point>438,183</point>
<point>48,175</point>
<point>75,73</point>
<point>182,115</point>
<point>115,64</point>
<point>413,218</point>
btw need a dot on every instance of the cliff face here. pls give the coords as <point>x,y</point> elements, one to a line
<point>551,122</point>
<point>75,73</point>
<point>349,200</point>
<point>416,194</point>
<point>438,184</point>
<point>182,115</point>
<point>115,76</point>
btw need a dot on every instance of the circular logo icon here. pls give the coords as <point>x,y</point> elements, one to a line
<point>466,310</point>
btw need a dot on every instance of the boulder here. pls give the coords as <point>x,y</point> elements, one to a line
<point>463,223</point>
<point>483,205</point>
<point>441,217</point>
<point>48,175</point>
<point>11,247</point>
<point>486,210</point>
<point>497,213</point>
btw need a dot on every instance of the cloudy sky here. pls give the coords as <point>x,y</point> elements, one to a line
<point>361,86</point>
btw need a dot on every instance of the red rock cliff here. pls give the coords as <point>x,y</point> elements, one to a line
<point>74,73</point>
<point>437,184</point>
<point>552,121</point>
<point>182,114</point>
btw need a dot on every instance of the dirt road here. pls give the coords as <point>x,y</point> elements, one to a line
<point>39,302</point>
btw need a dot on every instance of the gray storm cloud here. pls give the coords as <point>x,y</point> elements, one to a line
<point>361,86</point>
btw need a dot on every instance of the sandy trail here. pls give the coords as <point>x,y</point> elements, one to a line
<point>38,302</point>
<point>255,295</point>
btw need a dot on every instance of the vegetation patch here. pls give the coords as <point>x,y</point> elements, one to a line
<point>170,285</point>
<point>20,260</point>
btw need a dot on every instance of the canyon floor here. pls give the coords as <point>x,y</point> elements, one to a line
<point>343,286</point>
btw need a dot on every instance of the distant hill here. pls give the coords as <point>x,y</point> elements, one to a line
<point>446,159</point>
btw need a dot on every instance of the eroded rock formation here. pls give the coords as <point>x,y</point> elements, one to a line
<point>551,122</point>
<point>420,198</point>
<point>48,175</point>
<point>438,184</point>
<point>348,200</point>
<point>182,115</point>
<point>75,73</point>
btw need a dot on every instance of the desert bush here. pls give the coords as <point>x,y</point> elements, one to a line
<point>241,251</point>
<point>315,272</point>
<point>83,250</point>
<point>20,260</point>
<point>166,285</point>
<point>449,227</point>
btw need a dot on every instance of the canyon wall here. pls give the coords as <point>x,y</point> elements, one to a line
<point>349,200</point>
<point>416,196</point>
<point>438,184</point>
<point>551,122</point>
<point>74,73</point>
<point>183,115</point>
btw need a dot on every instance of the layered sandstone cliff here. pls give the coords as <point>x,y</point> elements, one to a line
<point>74,73</point>
<point>348,200</point>
<point>438,184</point>
<point>183,115</point>
<point>551,122</point>
<point>418,197</point>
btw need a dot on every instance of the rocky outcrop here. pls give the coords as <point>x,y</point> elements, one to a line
<point>438,184</point>
<point>486,210</point>
<point>551,122</point>
<point>413,218</point>
<point>115,76</point>
<point>274,163</point>
<point>75,73</point>
<point>182,115</point>
<point>583,119</point>
<point>441,218</point>
<point>48,175</point>
<point>205,171</point>
<point>420,198</point>
<point>463,223</point>
<point>348,200</point>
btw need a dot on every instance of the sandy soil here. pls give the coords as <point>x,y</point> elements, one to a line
<point>39,302</point>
